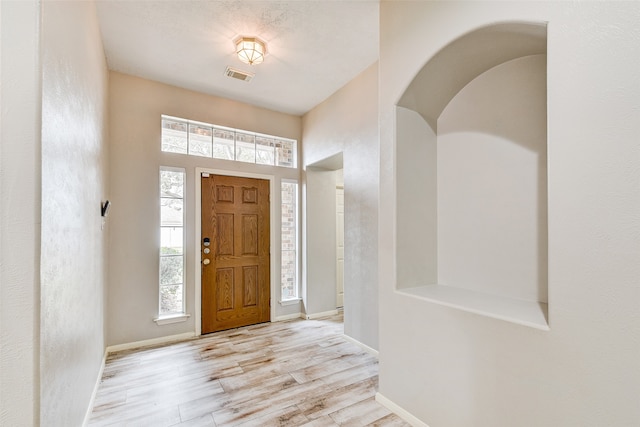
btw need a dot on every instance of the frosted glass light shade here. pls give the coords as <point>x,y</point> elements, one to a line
<point>251,50</point>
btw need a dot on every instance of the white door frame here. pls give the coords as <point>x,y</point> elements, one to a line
<point>339,230</point>
<point>198,237</point>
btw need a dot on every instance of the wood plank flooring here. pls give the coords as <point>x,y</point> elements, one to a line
<point>294,373</point>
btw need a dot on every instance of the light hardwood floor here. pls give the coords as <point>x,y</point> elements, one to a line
<point>294,373</point>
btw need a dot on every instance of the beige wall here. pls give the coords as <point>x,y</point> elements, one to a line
<point>74,183</point>
<point>20,101</point>
<point>347,123</point>
<point>452,368</point>
<point>135,158</point>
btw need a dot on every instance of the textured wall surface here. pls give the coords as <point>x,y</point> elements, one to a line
<point>452,368</point>
<point>347,122</point>
<point>136,106</point>
<point>74,247</point>
<point>20,102</point>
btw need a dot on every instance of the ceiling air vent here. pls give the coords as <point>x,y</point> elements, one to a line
<point>237,74</point>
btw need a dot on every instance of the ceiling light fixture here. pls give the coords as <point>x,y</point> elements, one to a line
<point>251,50</point>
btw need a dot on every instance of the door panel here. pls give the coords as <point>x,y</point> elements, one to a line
<point>235,281</point>
<point>249,234</point>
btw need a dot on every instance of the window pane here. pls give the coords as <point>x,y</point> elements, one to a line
<point>171,270</point>
<point>171,213</point>
<point>285,153</point>
<point>289,286</point>
<point>171,183</point>
<point>207,140</point>
<point>170,299</point>
<point>174,136</point>
<point>288,239</point>
<point>200,140</point>
<point>223,146</point>
<point>171,241</point>
<point>289,244</point>
<point>288,193</point>
<point>245,147</point>
<point>288,217</point>
<point>265,151</point>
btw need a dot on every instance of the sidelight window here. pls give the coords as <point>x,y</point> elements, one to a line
<point>289,238</point>
<point>171,241</point>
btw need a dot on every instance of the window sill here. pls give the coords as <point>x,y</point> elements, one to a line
<point>172,318</point>
<point>528,313</point>
<point>290,301</point>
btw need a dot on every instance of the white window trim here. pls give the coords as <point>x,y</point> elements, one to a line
<point>291,301</point>
<point>172,318</point>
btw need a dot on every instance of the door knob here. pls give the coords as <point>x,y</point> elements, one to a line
<point>206,261</point>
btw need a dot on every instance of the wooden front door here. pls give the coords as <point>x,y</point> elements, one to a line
<point>235,269</point>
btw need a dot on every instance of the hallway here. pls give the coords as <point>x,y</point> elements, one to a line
<point>294,373</point>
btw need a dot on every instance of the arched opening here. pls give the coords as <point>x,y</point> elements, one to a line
<point>471,176</point>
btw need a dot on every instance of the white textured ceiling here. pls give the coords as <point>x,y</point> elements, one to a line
<point>314,47</point>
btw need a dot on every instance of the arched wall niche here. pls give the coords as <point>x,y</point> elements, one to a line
<point>471,176</point>
<point>464,59</point>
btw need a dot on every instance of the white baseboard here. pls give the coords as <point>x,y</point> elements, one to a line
<point>289,317</point>
<point>371,351</point>
<point>153,341</point>
<point>87,415</point>
<point>400,411</point>
<point>323,314</point>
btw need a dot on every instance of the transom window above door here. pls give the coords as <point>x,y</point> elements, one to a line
<point>206,140</point>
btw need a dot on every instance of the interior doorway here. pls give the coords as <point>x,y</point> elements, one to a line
<point>326,250</point>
